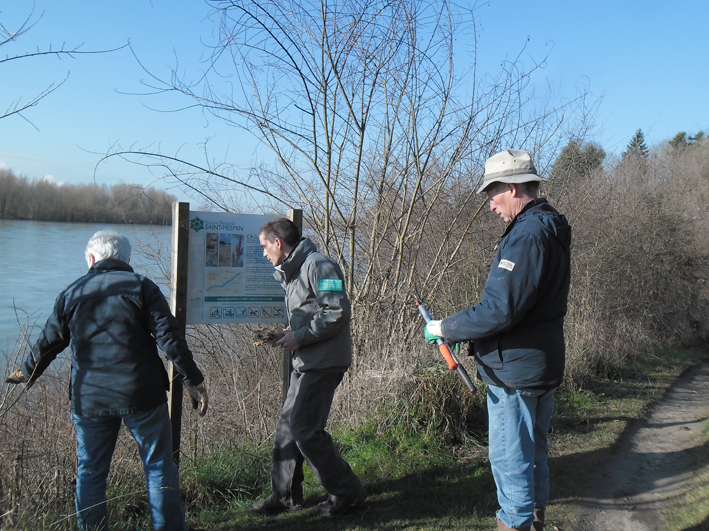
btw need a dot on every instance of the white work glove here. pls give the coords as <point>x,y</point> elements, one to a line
<point>432,332</point>
<point>434,328</point>
<point>199,395</point>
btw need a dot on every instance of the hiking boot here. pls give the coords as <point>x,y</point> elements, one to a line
<point>272,505</point>
<point>538,523</point>
<point>339,505</point>
<point>501,526</point>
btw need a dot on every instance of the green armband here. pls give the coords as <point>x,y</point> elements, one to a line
<point>330,284</point>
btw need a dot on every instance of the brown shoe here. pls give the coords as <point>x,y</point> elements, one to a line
<point>501,526</point>
<point>339,505</point>
<point>273,506</point>
<point>538,523</point>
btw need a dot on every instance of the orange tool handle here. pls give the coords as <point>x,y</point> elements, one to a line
<point>447,355</point>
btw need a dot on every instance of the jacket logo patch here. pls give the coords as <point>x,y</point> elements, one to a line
<point>506,264</point>
<point>329,284</point>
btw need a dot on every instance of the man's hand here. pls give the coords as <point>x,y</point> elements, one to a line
<point>433,332</point>
<point>266,336</point>
<point>16,378</point>
<point>199,395</point>
<point>287,342</point>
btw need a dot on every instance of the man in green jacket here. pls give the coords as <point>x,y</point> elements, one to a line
<point>318,334</point>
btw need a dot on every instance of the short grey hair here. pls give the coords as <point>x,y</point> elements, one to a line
<point>529,187</point>
<point>108,244</point>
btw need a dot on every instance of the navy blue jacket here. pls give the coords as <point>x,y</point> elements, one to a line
<point>114,319</point>
<point>517,328</point>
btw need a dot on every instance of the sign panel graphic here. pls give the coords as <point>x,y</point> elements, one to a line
<point>229,281</point>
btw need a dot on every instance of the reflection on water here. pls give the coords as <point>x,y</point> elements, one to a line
<point>39,259</point>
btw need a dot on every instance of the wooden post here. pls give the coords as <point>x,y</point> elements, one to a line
<point>296,216</point>
<point>178,300</point>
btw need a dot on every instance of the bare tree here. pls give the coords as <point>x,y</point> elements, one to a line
<point>374,132</point>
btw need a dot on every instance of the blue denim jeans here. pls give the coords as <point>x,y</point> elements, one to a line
<point>518,450</point>
<point>96,439</point>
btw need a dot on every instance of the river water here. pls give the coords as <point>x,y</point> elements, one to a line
<point>39,259</point>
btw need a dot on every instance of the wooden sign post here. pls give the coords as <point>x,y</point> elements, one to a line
<point>178,300</point>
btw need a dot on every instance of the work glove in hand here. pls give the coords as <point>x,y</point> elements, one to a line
<point>432,332</point>
<point>200,398</point>
<point>16,378</point>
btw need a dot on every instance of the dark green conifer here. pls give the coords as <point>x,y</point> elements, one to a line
<point>679,141</point>
<point>637,147</point>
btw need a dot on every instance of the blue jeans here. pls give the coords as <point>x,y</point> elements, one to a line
<point>518,450</point>
<point>96,439</point>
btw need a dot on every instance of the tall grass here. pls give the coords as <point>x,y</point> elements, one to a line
<point>639,282</point>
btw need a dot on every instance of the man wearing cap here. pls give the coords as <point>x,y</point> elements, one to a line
<point>516,334</point>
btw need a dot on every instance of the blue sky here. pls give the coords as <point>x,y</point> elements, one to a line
<point>645,62</point>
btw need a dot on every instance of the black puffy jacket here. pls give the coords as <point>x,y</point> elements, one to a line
<point>517,328</point>
<point>114,319</point>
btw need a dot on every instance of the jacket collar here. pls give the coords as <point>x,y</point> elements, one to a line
<point>291,265</point>
<point>110,264</point>
<point>556,222</point>
<point>540,201</point>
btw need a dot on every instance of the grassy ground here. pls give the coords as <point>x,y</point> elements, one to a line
<point>420,471</point>
<point>416,481</point>
<point>690,511</point>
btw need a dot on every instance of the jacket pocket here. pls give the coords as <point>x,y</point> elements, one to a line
<point>488,352</point>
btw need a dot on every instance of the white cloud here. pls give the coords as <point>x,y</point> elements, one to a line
<point>51,179</point>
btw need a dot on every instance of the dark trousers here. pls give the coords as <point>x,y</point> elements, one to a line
<point>301,435</point>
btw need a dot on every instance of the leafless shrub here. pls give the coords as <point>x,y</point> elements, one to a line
<point>376,140</point>
<point>639,253</point>
<point>37,454</point>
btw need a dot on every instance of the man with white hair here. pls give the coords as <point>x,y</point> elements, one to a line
<point>115,320</point>
<point>516,333</point>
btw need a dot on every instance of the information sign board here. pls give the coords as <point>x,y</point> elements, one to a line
<point>229,281</point>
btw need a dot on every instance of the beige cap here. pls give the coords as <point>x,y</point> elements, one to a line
<point>509,166</point>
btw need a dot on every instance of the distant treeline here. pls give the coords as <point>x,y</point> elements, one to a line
<point>24,198</point>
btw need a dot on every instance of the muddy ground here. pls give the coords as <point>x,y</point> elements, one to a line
<point>651,467</point>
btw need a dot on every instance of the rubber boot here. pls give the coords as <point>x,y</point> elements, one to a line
<point>538,523</point>
<point>501,526</point>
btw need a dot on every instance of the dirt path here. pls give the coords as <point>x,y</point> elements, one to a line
<point>650,468</point>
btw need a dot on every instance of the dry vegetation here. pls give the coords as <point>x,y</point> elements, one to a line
<point>639,259</point>
<point>381,142</point>
<point>639,282</point>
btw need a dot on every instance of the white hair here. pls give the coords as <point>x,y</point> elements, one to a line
<point>108,244</point>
